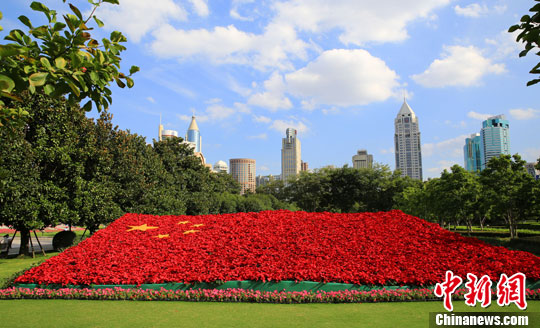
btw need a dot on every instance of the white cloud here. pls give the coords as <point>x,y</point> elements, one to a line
<point>236,7</point>
<point>459,66</point>
<point>275,48</point>
<point>150,99</point>
<point>450,147</point>
<point>273,98</point>
<point>525,114</point>
<point>478,116</point>
<point>357,22</point>
<point>213,113</point>
<point>531,154</point>
<point>390,150</point>
<point>262,136</point>
<point>343,77</point>
<point>242,108</point>
<point>442,165</point>
<point>200,7</point>
<point>282,125</point>
<point>138,17</point>
<point>474,10</point>
<point>263,168</point>
<point>504,46</point>
<point>261,119</point>
<point>456,125</point>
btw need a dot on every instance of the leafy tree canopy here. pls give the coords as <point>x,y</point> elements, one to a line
<point>529,28</point>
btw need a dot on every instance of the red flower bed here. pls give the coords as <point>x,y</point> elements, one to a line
<point>386,248</point>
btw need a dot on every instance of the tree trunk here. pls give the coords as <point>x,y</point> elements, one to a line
<point>482,220</point>
<point>25,238</point>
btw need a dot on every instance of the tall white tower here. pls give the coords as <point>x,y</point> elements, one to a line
<point>290,155</point>
<point>407,143</point>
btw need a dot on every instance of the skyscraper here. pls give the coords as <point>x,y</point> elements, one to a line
<point>243,171</point>
<point>290,155</point>
<point>362,159</point>
<point>473,151</point>
<point>407,143</point>
<point>495,138</point>
<point>194,136</point>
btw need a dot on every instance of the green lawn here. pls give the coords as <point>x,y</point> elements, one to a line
<point>75,313</point>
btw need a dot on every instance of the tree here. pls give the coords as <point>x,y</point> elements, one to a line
<point>509,190</point>
<point>530,35</point>
<point>60,59</point>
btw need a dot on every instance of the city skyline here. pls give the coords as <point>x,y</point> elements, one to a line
<point>249,70</point>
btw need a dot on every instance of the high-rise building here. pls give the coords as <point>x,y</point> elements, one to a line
<point>362,159</point>
<point>304,167</point>
<point>495,138</point>
<point>263,180</point>
<point>165,134</point>
<point>193,136</point>
<point>220,167</point>
<point>473,151</point>
<point>407,143</point>
<point>531,169</point>
<point>290,155</point>
<point>243,171</point>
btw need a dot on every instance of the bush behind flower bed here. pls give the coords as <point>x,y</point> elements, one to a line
<point>237,295</point>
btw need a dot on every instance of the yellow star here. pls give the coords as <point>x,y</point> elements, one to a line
<point>190,231</point>
<point>197,225</point>
<point>143,227</point>
<point>162,236</point>
<point>183,222</point>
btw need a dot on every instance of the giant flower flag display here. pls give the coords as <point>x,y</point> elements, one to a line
<point>385,248</point>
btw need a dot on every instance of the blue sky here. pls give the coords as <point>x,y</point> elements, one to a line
<point>335,70</point>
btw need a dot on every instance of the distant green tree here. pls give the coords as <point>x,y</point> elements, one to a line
<point>509,190</point>
<point>530,35</point>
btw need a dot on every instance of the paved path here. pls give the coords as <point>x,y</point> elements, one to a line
<point>46,242</point>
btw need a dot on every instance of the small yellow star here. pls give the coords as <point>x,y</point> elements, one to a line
<point>197,225</point>
<point>162,236</point>
<point>190,231</point>
<point>183,222</point>
<point>143,227</point>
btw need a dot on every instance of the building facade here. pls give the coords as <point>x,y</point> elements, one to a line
<point>243,171</point>
<point>193,135</point>
<point>362,160</point>
<point>166,134</point>
<point>407,143</point>
<point>304,167</point>
<point>530,167</point>
<point>290,155</point>
<point>473,152</point>
<point>221,167</point>
<point>263,180</point>
<point>495,136</point>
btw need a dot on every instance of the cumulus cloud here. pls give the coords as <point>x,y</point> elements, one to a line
<point>449,147</point>
<point>442,165</point>
<point>524,114</point>
<point>236,8</point>
<point>262,136</point>
<point>358,22</point>
<point>275,48</point>
<point>459,66</point>
<point>273,97</point>
<point>150,99</point>
<point>343,77</point>
<point>504,45</point>
<point>474,10</point>
<point>138,17</point>
<point>200,7</point>
<point>478,116</point>
<point>261,119</point>
<point>282,125</point>
<point>213,113</point>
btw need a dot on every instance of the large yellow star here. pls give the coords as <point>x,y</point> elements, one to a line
<point>197,225</point>
<point>143,227</point>
<point>183,222</point>
<point>162,236</point>
<point>190,231</point>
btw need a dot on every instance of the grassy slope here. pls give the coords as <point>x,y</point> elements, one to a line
<point>69,313</point>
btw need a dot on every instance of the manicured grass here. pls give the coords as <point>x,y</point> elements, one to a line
<point>8,267</point>
<point>69,313</point>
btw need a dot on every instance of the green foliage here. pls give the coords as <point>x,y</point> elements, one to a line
<point>529,28</point>
<point>59,58</point>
